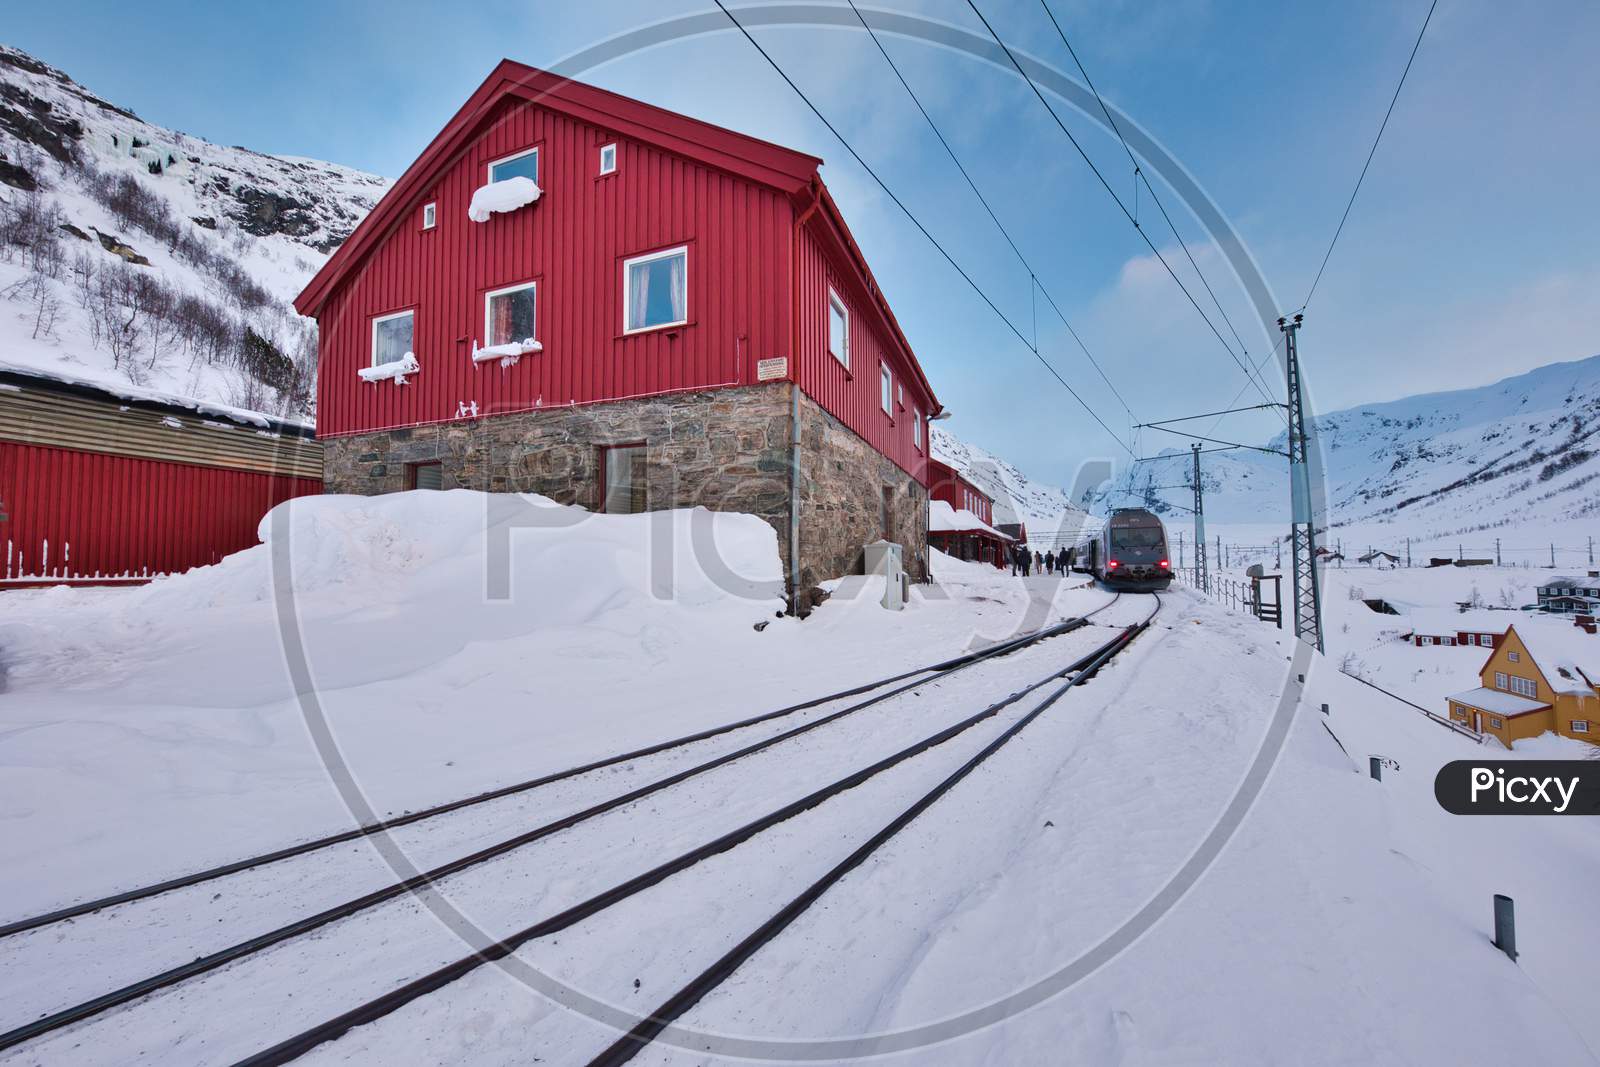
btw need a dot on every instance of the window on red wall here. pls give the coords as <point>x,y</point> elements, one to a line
<point>886,390</point>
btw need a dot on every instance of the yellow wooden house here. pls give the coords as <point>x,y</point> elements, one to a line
<point>1546,680</point>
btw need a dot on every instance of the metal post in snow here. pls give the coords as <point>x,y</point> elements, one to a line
<point>1497,551</point>
<point>1505,925</point>
<point>1552,556</point>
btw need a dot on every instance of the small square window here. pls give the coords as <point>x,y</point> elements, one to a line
<point>655,290</point>
<point>1496,724</point>
<point>392,337</point>
<point>1514,657</point>
<point>608,158</point>
<point>430,215</point>
<point>1580,726</point>
<point>624,485</point>
<point>838,330</point>
<point>886,391</point>
<point>519,165</point>
<point>427,475</point>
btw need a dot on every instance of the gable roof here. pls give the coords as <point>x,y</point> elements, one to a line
<point>1568,657</point>
<point>739,154</point>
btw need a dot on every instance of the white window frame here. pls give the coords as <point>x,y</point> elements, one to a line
<point>1500,681</point>
<point>836,303</point>
<point>1580,726</point>
<point>1514,657</point>
<point>430,215</point>
<point>488,300</point>
<point>627,265</point>
<point>411,313</point>
<point>488,170</point>
<point>612,149</point>
<point>916,428</point>
<point>1525,687</point>
<point>885,389</point>
<point>1496,724</point>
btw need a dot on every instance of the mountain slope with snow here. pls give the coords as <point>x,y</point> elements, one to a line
<point>135,255</point>
<point>1521,451</point>
<point>1047,510</point>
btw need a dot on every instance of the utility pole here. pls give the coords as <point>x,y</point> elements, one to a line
<point>1497,551</point>
<point>1307,588</point>
<point>1277,550</point>
<point>1408,553</point>
<point>1591,550</point>
<point>1201,578</point>
<point>1180,550</point>
<point>1552,555</point>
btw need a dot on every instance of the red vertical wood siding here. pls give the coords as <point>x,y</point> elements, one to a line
<point>947,484</point>
<point>107,515</point>
<point>852,396</point>
<point>572,242</point>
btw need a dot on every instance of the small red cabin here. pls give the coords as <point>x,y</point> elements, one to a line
<point>578,294</point>
<point>961,517</point>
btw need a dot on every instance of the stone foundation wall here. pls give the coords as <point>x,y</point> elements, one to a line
<point>843,484</point>
<point>726,450</point>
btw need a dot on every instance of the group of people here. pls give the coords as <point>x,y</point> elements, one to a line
<point>1025,563</point>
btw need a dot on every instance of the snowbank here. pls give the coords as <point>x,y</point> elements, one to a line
<point>502,196</point>
<point>396,371</point>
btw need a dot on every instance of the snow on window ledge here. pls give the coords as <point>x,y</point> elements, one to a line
<point>508,353</point>
<point>395,371</point>
<point>507,195</point>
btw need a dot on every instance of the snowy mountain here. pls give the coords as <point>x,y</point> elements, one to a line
<point>1047,510</point>
<point>1522,451</point>
<point>146,259</point>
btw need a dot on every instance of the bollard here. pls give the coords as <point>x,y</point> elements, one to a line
<point>1324,709</point>
<point>1375,764</point>
<point>1505,925</point>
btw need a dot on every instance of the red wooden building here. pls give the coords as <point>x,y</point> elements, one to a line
<point>101,487</point>
<point>961,518</point>
<point>624,308</point>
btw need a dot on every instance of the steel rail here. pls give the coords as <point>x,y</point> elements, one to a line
<point>372,1010</point>
<point>633,1042</point>
<point>72,911</point>
<point>211,961</point>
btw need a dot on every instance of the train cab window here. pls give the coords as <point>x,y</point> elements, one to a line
<point>1136,537</point>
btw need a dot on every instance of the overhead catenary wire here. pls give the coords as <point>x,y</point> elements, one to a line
<point>1372,152</point>
<point>1140,176</point>
<point>973,185</point>
<point>1223,341</point>
<point>873,174</point>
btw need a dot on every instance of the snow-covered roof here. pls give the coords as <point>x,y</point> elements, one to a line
<point>1441,621</point>
<point>1569,658</point>
<point>1496,701</point>
<point>942,518</point>
<point>124,391</point>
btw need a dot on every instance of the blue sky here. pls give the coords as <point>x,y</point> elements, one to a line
<point>1469,256</point>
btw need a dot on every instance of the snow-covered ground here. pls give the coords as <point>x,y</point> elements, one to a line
<point>153,731</point>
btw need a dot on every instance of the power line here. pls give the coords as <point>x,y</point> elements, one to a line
<point>1370,154</point>
<point>918,224</point>
<point>1140,175</point>
<point>1033,275</point>
<point>1113,193</point>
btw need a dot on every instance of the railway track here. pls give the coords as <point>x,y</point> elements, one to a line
<point>626,1047</point>
<point>883,689</point>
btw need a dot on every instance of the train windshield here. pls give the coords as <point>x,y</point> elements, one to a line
<point>1136,537</point>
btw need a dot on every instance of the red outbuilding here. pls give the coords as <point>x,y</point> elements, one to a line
<point>103,487</point>
<point>961,518</point>
<point>577,294</point>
